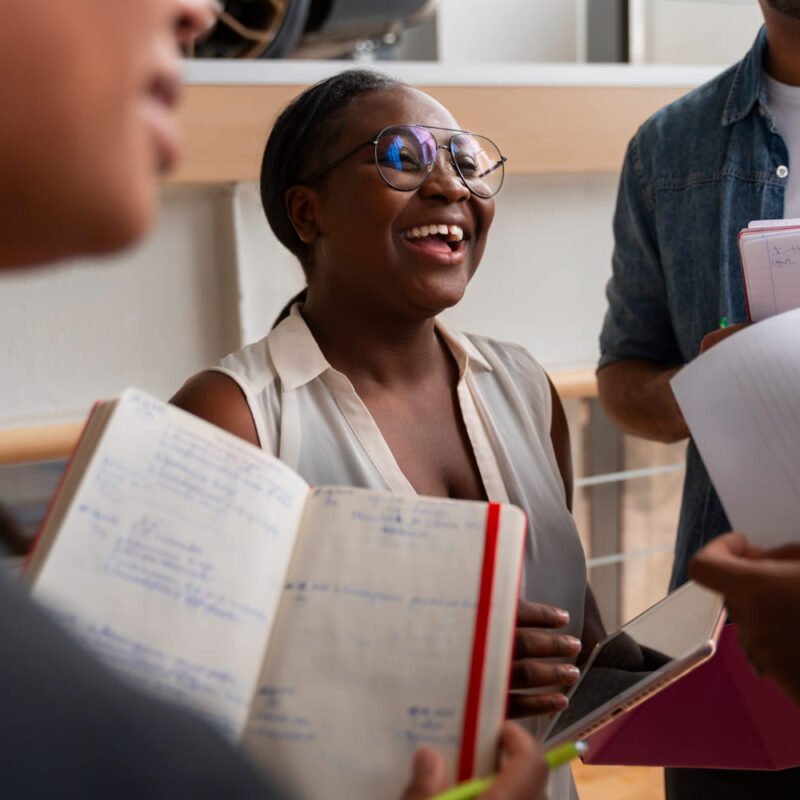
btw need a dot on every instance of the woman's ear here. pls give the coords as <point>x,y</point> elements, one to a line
<point>301,206</point>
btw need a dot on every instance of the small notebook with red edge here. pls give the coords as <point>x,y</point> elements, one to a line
<point>332,630</point>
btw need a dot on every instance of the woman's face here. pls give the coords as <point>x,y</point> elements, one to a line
<point>88,89</point>
<point>367,247</point>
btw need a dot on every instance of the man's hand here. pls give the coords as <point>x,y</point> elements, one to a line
<point>536,638</point>
<point>637,396</point>
<point>521,775</point>
<point>716,336</point>
<point>762,594</point>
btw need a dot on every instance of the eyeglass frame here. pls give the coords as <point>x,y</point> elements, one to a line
<point>321,173</point>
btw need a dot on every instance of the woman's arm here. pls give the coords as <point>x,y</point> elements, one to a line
<point>559,434</point>
<point>217,398</point>
<point>593,628</point>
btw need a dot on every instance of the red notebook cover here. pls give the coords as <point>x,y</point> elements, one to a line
<point>721,715</point>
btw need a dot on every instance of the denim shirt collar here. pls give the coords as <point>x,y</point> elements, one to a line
<point>748,84</point>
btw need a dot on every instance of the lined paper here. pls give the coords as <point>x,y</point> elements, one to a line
<point>178,527</point>
<point>741,401</point>
<point>771,268</point>
<point>393,644</point>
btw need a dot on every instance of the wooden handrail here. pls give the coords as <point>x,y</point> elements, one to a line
<point>45,442</point>
<point>40,443</point>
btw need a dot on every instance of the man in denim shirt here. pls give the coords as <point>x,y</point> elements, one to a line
<point>694,174</point>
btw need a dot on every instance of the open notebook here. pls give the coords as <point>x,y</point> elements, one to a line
<point>333,630</point>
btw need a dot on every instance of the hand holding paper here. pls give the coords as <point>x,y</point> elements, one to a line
<point>762,595</point>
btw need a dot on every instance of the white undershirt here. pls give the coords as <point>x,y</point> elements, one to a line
<point>784,105</point>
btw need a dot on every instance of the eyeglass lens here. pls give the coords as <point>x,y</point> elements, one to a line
<point>406,154</point>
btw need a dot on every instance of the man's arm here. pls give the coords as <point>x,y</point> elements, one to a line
<point>637,396</point>
<point>638,344</point>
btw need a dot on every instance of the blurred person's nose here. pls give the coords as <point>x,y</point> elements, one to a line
<point>194,17</point>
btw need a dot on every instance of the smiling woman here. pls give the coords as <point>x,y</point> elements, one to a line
<point>387,204</point>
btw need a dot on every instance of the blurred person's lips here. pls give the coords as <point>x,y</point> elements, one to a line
<point>158,111</point>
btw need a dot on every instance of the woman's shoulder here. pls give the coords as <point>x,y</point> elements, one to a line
<point>250,366</point>
<point>509,355</point>
<point>515,370</point>
<point>226,392</point>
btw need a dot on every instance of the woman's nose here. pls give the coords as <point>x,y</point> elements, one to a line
<point>445,180</point>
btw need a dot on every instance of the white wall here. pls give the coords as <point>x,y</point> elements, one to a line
<point>472,31</point>
<point>542,279</point>
<point>149,317</point>
<point>697,31</point>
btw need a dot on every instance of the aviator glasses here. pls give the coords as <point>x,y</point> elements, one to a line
<point>405,156</point>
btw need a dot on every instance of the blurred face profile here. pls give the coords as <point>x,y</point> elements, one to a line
<point>88,90</point>
<point>789,8</point>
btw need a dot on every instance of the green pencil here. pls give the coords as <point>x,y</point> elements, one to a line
<point>555,758</point>
<point>468,790</point>
<point>564,753</point>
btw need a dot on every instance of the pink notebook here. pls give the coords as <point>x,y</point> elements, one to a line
<point>720,715</point>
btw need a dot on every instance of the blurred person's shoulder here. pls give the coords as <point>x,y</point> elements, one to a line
<point>70,727</point>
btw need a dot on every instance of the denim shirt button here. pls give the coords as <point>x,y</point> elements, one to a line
<point>762,112</point>
<point>782,171</point>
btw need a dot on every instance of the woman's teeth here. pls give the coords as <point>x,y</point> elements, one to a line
<point>453,233</point>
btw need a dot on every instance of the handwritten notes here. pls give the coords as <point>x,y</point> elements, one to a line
<point>329,629</point>
<point>177,526</point>
<point>380,595</point>
<point>741,400</point>
<point>771,269</point>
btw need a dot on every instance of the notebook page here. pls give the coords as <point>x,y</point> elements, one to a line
<point>370,655</point>
<point>172,557</point>
<point>771,264</point>
<point>741,401</point>
<point>774,223</point>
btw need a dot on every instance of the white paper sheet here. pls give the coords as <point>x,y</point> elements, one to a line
<point>741,401</point>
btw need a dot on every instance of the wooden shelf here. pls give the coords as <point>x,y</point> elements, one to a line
<point>546,119</point>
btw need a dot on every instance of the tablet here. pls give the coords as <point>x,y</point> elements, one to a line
<point>641,658</point>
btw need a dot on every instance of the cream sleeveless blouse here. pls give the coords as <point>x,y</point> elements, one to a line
<point>309,415</point>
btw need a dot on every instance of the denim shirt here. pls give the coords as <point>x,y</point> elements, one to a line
<point>694,175</point>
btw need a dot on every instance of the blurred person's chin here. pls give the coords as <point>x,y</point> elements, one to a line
<point>789,8</point>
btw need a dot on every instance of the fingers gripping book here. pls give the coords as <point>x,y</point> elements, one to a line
<point>331,630</point>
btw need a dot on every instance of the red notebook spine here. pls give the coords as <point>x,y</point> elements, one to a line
<point>58,488</point>
<point>469,734</point>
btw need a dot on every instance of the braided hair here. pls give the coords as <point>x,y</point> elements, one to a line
<point>292,150</point>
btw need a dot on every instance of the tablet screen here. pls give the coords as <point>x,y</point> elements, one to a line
<point>678,627</point>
